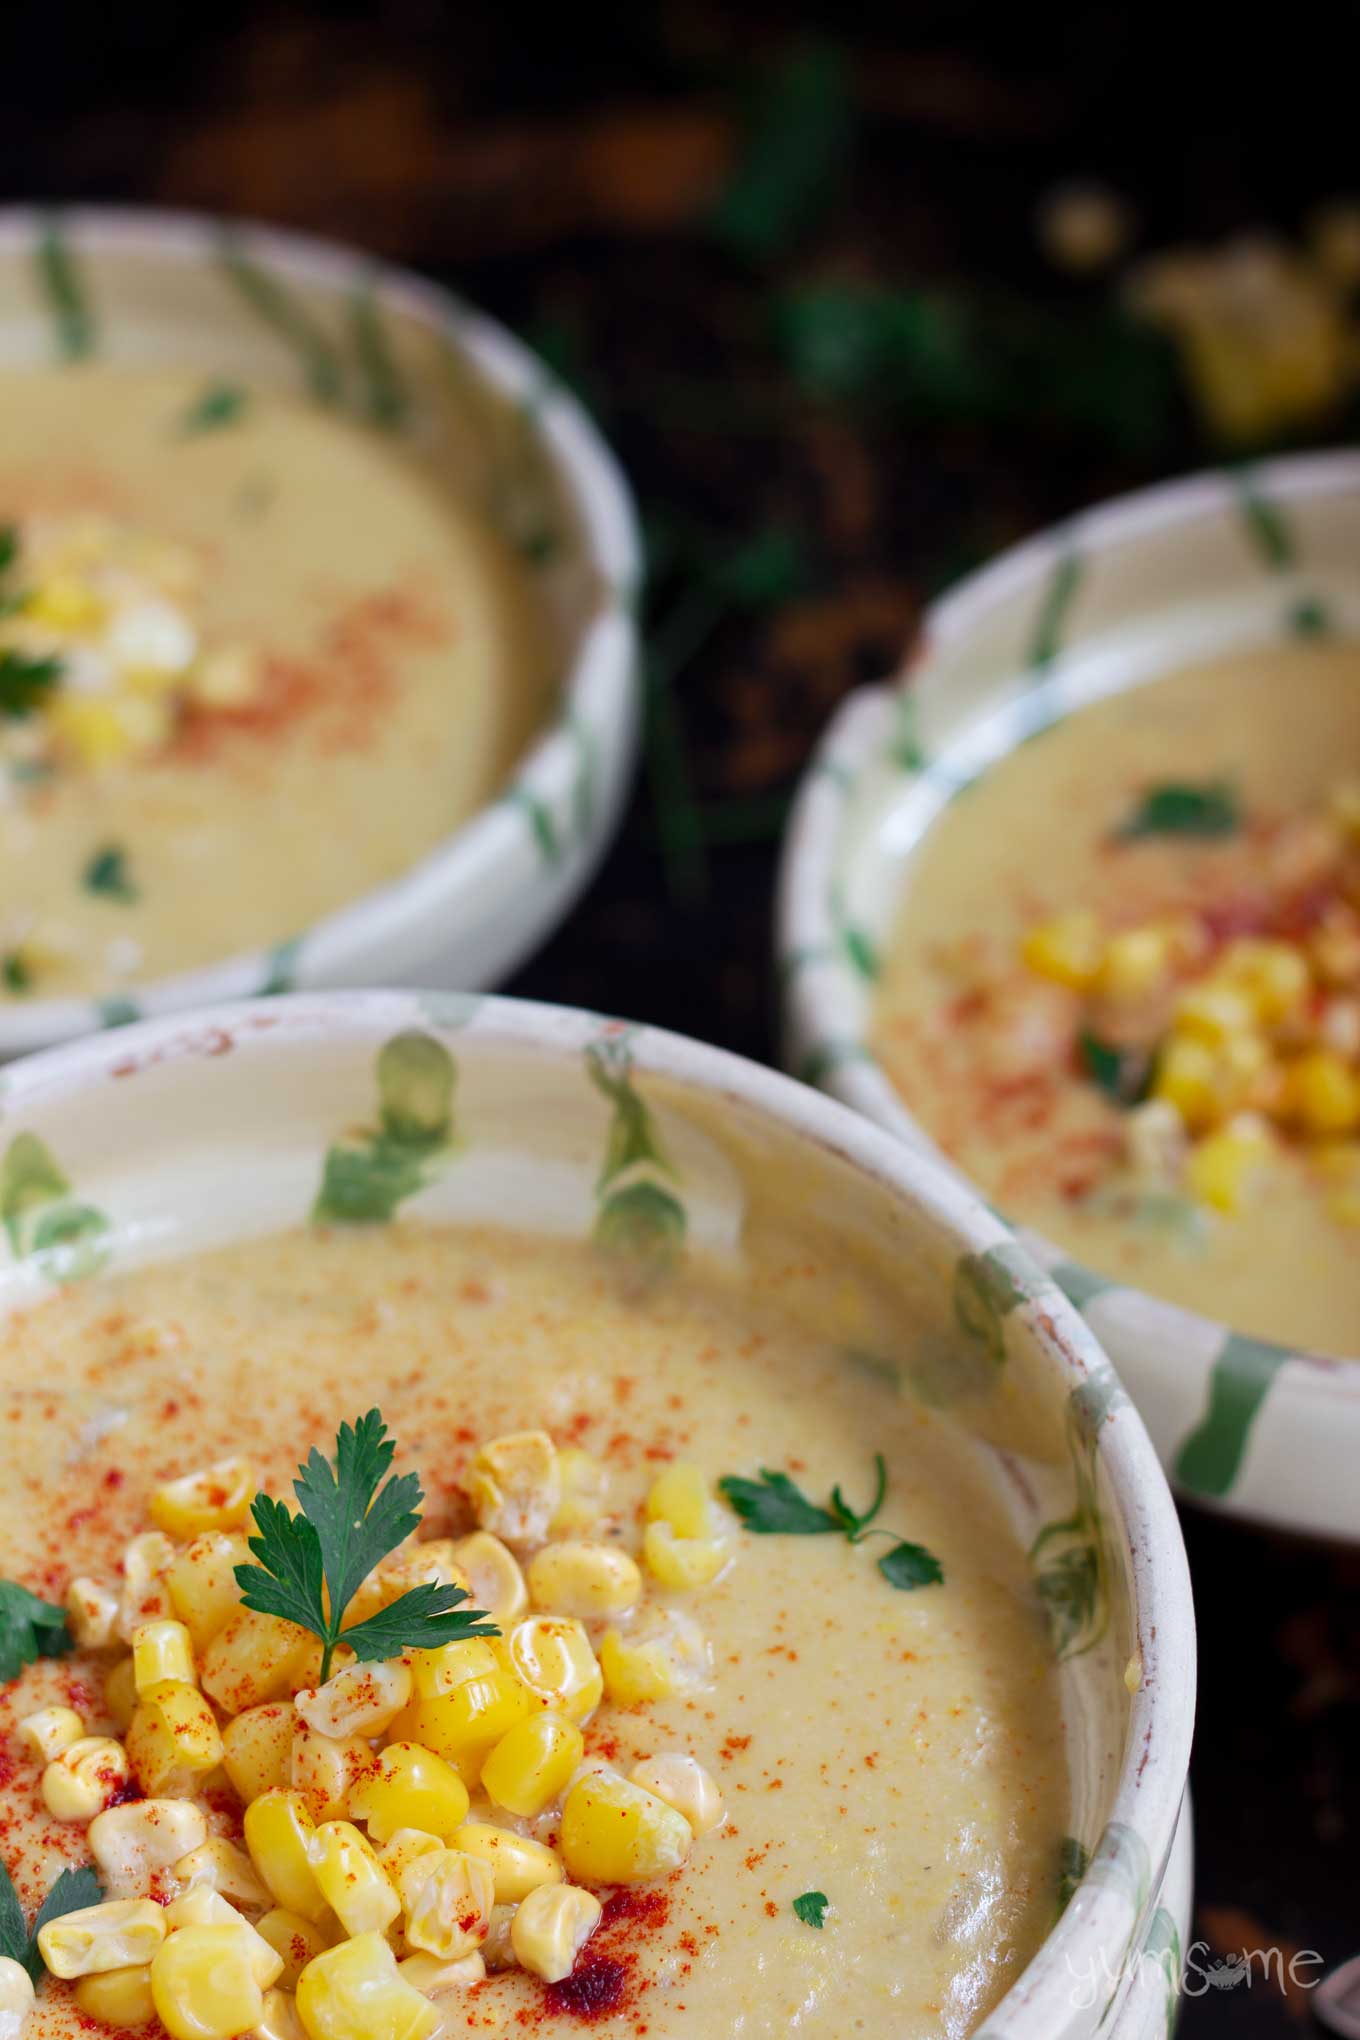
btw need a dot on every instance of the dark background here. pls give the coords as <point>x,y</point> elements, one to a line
<point>687,210</point>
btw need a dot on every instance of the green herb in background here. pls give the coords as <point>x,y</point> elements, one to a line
<point>774,1506</point>
<point>15,972</point>
<point>1180,808</point>
<point>1123,1074</point>
<point>107,873</point>
<point>30,1628</point>
<point>221,404</point>
<point>25,682</point>
<point>73,1890</point>
<point>798,141</point>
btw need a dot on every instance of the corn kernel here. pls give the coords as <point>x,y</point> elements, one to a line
<point>615,1832</point>
<point>434,1979</point>
<point>578,1578</point>
<point>552,1657</point>
<point>130,1843</point>
<point>665,1657</point>
<point>202,1583</point>
<point>295,1941</point>
<point>224,1868</point>
<point>585,1493</point>
<point>1067,950</point>
<point>531,1764</point>
<point>257,1749</point>
<point>51,1731</point>
<point>439,1671</point>
<point>117,1997</point>
<point>279,1832</point>
<point>114,1935</point>
<point>89,729</point>
<point>204,1907</point>
<point>173,1738</point>
<point>64,602</point>
<point>203,1985</point>
<point>217,1498</point>
<point>327,1770</point>
<point>497,1950</point>
<point>515,1486</point>
<point>493,1575</point>
<point>1189,1075</point>
<point>680,1497</point>
<point>120,1694</point>
<point>410,1787</point>
<point>16,1997</point>
<point>1274,976</point>
<point>91,1614</point>
<point>462,1726</point>
<point>279,2019</point>
<point>83,1780</point>
<point>364,1700</point>
<point>448,1897</point>
<point>403,1847</point>
<point>145,1596</point>
<point>1223,1168</point>
<point>161,1650</point>
<point>683,1563</point>
<point>230,677</point>
<point>518,1864</point>
<point>251,1660</point>
<point>551,1927</point>
<point>354,1992</point>
<point>1135,963</point>
<point>430,1564</point>
<point>1322,1094</point>
<point>685,1785</point>
<point>352,1881</point>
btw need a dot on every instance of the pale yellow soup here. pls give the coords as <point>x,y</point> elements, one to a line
<point>985,1059</point>
<point>899,1751</point>
<point>399,667</point>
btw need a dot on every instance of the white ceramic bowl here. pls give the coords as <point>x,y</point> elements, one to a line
<point>1099,604</point>
<point>183,1133</point>
<point>301,316</point>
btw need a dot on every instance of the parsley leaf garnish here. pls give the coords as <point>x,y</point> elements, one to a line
<point>29,1629</point>
<point>221,404</point>
<point>1181,808</point>
<point>72,1890</point>
<point>15,972</point>
<point>312,1565</point>
<point>1121,1073</point>
<point>774,1506</point>
<point>810,1907</point>
<point>107,873</point>
<point>9,546</point>
<point>24,681</point>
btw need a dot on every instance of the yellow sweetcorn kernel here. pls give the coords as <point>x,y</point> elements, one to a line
<point>202,1583</point>
<point>279,1832</point>
<point>464,1725</point>
<point>1188,1075</point>
<point>403,1847</point>
<point>363,1700</point>
<point>353,1882</point>
<point>173,1738</point>
<point>257,1749</point>
<point>1225,1168</point>
<point>448,1896</point>
<point>515,1486</point>
<point>551,1927</point>
<point>225,1869</point>
<point>585,1494</point>
<point>92,1614</point>
<point>85,1778</point>
<point>517,1864</point>
<point>1273,976</point>
<point>493,1575</point>
<point>685,1785</point>
<point>666,1656</point>
<point>131,1843</point>
<point>203,1907</point>
<point>680,1497</point>
<point>497,1950</point>
<point>88,729</point>
<point>120,1998</point>
<point>49,1731</point>
<point>439,1671</point>
<point>16,1997</point>
<point>64,601</point>
<point>531,1765</point>
<point>1068,950</point>
<point>354,1992</point>
<point>279,2019</point>
<point>161,1650</point>
<point>1322,1095</point>
<point>113,1935</point>
<point>435,1979</point>
<point>1214,1012</point>
<point>216,1498</point>
<point>430,1564</point>
<point>145,1596</point>
<point>552,1658</point>
<point>203,1984</point>
<point>580,1578</point>
<point>295,1941</point>
<point>410,1787</point>
<point>1135,963</point>
<point>251,1660</point>
<point>615,1832</point>
<point>327,1770</point>
<point>683,1563</point>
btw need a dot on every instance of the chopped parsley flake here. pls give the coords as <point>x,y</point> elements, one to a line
<point>107,873</point>
<point>810,1907</point>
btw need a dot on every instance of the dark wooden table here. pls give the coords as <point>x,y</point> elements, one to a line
<point>797,279</point>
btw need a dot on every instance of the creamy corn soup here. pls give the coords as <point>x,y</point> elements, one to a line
<point>1124,989</point>
<point>254,660</point>
<point>812,1800</point>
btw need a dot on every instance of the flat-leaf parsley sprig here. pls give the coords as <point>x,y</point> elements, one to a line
<point>73,1890</point>
<point>775,1506</point>
<point>313,1564</point>
<point>30,1628</point>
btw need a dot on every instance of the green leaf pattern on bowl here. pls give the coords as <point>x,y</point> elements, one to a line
<point>368,1174</point>
<point>42,1219</point>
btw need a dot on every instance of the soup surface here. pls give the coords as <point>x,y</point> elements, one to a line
<point>897,1751</point>
<point>1123,993</point>
<point>254,660</point>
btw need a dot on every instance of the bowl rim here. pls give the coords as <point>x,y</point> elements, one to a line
<point>823,1005</point>
<point>597,700</point>
<point>1153,1766</point>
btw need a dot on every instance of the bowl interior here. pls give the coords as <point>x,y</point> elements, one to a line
<point>174,1136</point>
